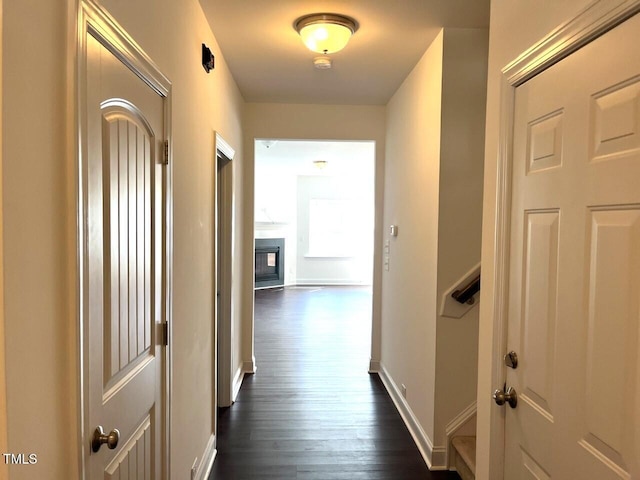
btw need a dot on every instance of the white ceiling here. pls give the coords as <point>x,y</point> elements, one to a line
<point>270,63</point>
<point>295,157</point>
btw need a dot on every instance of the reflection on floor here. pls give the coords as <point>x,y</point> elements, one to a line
<point>312,411</point>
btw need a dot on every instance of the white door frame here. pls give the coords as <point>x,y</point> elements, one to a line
<point>596,19</point>
<point>93,19</point>
<point>223,210</point>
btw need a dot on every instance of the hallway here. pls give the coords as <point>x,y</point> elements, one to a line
<point>311,411</point>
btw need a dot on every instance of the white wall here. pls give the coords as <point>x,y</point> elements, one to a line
<point>411,202</point>
<point>459,229</point>
<point>39,235</point>
<point>348,266</point>
<point>172,33</point>
<point>285,181</point>
<point>309,122</point>
<point>515,26</point>
<point>433,191</point>
<point>40,222</point>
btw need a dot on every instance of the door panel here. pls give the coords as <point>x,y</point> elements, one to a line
<point>123,254</point>
<point>574,316</point>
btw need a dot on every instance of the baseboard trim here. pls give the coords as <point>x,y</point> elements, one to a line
<point>208,457</point>
<point>433,456</point>
<point>455,425</point>
<point>333,282</point>
<point>374,366</point>
<point>250,366</point>
<point>237,383</point>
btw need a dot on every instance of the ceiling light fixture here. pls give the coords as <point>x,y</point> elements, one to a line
<point>320,164</point>
<point>325,32</point>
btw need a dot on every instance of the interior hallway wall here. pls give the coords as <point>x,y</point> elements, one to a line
<point>412,176</point>
<point>172,33</point>
<point>39,242</point>
<point>433,191</point>
<point>39,195</point>
<point>309,122</point>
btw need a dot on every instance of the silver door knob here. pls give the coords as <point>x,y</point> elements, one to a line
<point>100,438</point>
<point>510,396</point>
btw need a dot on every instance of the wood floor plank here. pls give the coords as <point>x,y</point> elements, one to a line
<point>312,412</point>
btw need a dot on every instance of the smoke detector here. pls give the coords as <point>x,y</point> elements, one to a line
<point>322,62</point>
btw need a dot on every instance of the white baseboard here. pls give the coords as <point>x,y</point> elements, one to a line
<point>374,366</point>
<point>238,377</point>
<point>462,424</point>
<point>237,382</point>
<point>208,457</point>
<point>250,366</point>
<point>434,457</point>
<point>330,282</point>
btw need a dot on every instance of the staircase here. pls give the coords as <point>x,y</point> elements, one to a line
<point>465,456</point>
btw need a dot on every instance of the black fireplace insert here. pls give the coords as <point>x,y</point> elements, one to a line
<point>269,262</point>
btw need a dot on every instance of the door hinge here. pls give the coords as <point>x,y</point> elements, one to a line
<point>165,155</point>
<point>165,334</point>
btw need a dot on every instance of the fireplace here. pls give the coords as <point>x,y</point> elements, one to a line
<point>269,262</point>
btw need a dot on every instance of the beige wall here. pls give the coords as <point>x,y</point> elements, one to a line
<point>464,86</point>
<point>412,173</point>
<point>309,122</point>
<point>515,26</point>
<point>171,33</point>
<point>39,223</point>
<point>433,192</point>
<point>4,471</point>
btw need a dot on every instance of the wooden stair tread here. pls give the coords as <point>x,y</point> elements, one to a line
<point>466,448</point>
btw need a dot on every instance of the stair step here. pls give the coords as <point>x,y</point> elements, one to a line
<point>466,457</point>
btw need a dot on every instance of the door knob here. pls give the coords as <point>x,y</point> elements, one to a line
<point>99,438</point>
<point>510,396</point>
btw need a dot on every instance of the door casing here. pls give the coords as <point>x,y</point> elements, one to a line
<point>589,24</point>
<point>223,268</point>
<point>93,19</point>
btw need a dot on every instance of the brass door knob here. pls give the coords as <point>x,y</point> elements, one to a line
<point>100,438</point>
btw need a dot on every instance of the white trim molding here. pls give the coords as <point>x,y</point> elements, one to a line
<point>250,367</point>
<point>374,366</point>
<point>434,457</point>
<point>587,25</point>
<point>463,423</point>
<point>224,293</point>
<point>208,457</point>
<point>237,382</point>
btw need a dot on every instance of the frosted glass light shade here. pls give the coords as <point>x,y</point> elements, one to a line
<point>325,33</point>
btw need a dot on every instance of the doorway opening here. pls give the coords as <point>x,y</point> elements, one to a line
<point>223,295</point>
<point>314,200</point>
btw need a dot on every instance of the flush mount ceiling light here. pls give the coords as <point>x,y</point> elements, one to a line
<point>325,32</point>
<point>320,164</point>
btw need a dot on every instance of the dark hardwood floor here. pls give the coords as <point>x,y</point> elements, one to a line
<point>312,411</point>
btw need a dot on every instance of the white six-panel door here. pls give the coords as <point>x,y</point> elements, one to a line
<point>574,290</point>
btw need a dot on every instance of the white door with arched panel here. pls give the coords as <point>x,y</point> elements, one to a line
<point>574,281</point>
<point>124,238</point>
